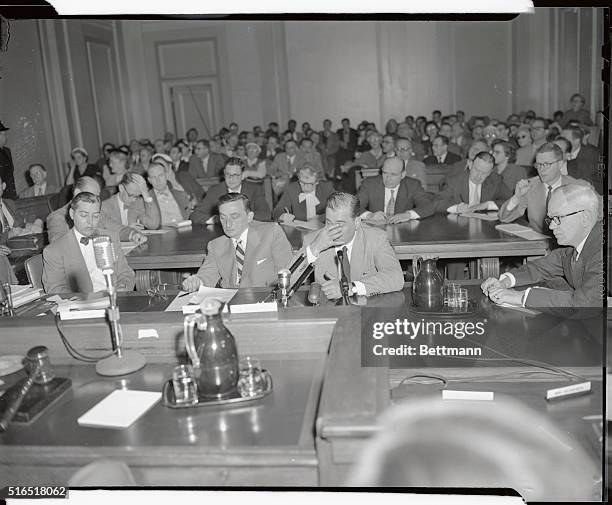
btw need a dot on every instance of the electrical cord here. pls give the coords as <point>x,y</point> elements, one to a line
<point>71,350</point>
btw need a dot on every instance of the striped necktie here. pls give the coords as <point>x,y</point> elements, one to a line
<point>239,261</point>
<point>391,204</point>
<point>548,196</point>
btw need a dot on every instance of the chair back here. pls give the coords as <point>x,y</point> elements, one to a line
<point>34,270</point>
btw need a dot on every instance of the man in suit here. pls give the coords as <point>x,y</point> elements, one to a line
<point>348,136</point>
<point>132,206</point>
<point>479,188</point>
<point>404,149</point>
<point>38,174</point>
<point>204,163</point>
<point>392,197</point>
<point>441,155</point>
<point>304,199</point>
<point>369,261</point>
<point>69,264</point>
<point>173,204</point>
<point>6,165</point>
<point>477,146</point>
<point>59,221</point>
<point>532,195</point>
<point>285,166</point>
<point>584,160</point>
<point>207,211</point>
<point>577,264</point>
<point>250,254</point>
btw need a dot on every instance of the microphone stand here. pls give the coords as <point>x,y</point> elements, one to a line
<point>344,284</point>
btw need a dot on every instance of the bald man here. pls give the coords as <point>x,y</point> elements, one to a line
<point>573,218</point>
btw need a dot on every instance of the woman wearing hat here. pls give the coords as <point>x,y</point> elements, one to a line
<point>79,166</point>
<point>254,167</point>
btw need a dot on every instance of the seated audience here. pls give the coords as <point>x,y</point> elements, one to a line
<point>207,210</point>
<point>249,254</point>
<point>310,155</point>
<point>348,136</point>
<point>144,160</point>
<point>107,148</point>
<point>532,195</point>
<point>412,167</point>
<point>566,148</point>
<point>79,166</point>
<point>584,160</point>
<point>392,197</point>
<point>478,188</point>
<point>285,166</point>
<point>69,264</point>
<point>441,155</point>
<point>504,154</point>
<point>59,221</point>
<point>204,163</point>
<point>477,146</point>
<point>116,168</point>
<point>132,205</point>
<point>38,174</point>
<point>180,171</point>
<point>526,152</point>
<point>369,260</point>
<point>374,157</point>
<point>174,205</point>
<point>255,168</point>
<point>13,223</point>
<point>304,199</point>
<point>573,218</point>
<point>577,112</point>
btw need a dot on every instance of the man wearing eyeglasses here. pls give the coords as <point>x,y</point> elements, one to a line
<point>412,168</point>
<point>304,199</point>
<point>132,205</point>
<point>573,218</point>
<point>532,195</point>
<point>207,211</point>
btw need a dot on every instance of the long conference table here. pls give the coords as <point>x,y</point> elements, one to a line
<point>324,406</point>
<point>436,236</point>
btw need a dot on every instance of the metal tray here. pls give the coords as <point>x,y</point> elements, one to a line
<point>237,400</point>
<point>447,311</point>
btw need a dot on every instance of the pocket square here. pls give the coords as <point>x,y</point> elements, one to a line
<point>259,262</point>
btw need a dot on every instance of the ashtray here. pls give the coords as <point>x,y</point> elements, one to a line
<point>168,399</point>
<point>446,311</point>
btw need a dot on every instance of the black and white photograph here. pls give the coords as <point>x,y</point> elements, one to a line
<point>305,252</point>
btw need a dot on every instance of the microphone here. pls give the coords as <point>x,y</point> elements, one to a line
<point>344,286</point>
<point>284,281</point>
<point>119,363</point>
<point>297,263</point>
<point>314,293</point>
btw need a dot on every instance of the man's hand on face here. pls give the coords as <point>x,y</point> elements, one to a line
<point>142,185</point>
<point>328,236</point>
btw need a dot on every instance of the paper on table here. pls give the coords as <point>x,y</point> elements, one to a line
<point>119,409</point>
<point>154,232</point>
<point>520,308</point>
<point>521,231</point>
<point>223,295</point>
<point>488,216</point>
<point>307,225</point>
<point>126,247</point>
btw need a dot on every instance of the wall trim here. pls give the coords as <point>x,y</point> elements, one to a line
<point>73,100</point>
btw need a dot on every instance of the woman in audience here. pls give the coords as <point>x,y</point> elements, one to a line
<point>525,152</point>
<point>145,154</point>
<point>79,166</point>
<point>504,154</point>
<point>255,168</point>
<point>116,168</point>
<point>107,148</point>
<point>375,157</point>
<point>577,112</point>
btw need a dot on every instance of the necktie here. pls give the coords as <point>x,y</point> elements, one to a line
<point>575,256</point>
<point>239,260</point>
<point>440,160</point>
<point>391,204</point>
<point>85,240</point>
<point>346,264</point>
<point>548,196</point>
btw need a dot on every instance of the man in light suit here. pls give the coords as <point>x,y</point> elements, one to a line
<point>250,254</point>
<point>477,189</point>
<point>392,197</point>
<point>132,205</point>
<point>69,264</point>
<point>38,174</point>
<point>207,211</point>
<point>532,195</point>
<point>173,204</point>
<point>204,163</point>
<point>573,217</point>
<point>304,199</point>
<point>369,260</point>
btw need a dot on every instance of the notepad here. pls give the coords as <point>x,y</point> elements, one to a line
<point>521,231</point>
<point>119,409</point>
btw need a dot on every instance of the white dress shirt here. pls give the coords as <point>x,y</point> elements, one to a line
<point>168,207</point>
<point>95,274</point>
<point>311,203</point>
<point>123,211</point>
<point>9,218</point>
<point>40,190</point>
<point>411,213</point>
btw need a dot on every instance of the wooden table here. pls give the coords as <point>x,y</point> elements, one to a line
<point>322,411</point>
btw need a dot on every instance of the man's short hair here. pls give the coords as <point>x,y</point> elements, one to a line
<point>204,142</point>
<point>309,168</point>
<point>436,112</point>
<point>39,165</point>
<point>306,139</point>
<point>234,162</point>
<point>579,96</point>
<point>577,132</point>
<point>156,164</point>
<point>83,182</point>
<point>568,145</point>
<point>128,178</point>
<point>116,154</point>
<point>508,148</point>
<point>338,199</point>
<point>444,139</point>
<point>544,121</point>
<point>582,193</point>
<point>235,197</point>
<point>550,147</point>
<point>84,196</point>
<point>429,123</point>
<point>291,141</point>
<point>345,119</point>
<point>486,157</point>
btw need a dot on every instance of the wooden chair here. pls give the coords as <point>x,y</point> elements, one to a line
<point>34,269</point>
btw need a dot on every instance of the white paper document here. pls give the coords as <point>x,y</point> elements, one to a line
<point>313,224</point>
<point>521,231</point>
<point>485,216</point>
<point>154,232</point>
<point>119,409</point>
<point>126,247</point>
<point>195,299</point>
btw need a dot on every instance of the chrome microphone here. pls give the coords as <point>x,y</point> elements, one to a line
<point>284,281</point>
<point>314,293</point>
<point>104,252</point>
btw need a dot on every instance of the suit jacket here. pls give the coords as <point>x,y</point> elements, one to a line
<point>18,220</point>
<point>583,278</point>
<point>416,169</point>
<point>64,269</point>
<point>181,199</point>
<point>29,191</point>
<point>458,191</point>
<point>410,196</point>
<point>290,200</point>
<point>59,222</point>
<point>512,174</point>
<point>209,206</point>
<point>216,164</point>
<point>373,261</point>
<point>456,168</point>
<point>451,159</point>
<point>534,202</point>
<point>188,181</point>
<point>146,213</point>
<point>283,169</point>
<point>586,166</point>
<point>267,251</point>
<point>352,141</point>
<point>7,173</point>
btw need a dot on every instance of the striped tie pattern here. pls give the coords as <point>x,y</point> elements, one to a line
<point>239,260</point>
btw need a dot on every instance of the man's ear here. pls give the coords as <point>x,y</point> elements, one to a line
<point>3,186</point>
<point>71,213</point>
<point>250,216</point>
<point>357,220</point>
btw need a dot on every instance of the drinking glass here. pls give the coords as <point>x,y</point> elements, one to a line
<point>185,385</point>
<point>251,381</point>
<point>450,293</point>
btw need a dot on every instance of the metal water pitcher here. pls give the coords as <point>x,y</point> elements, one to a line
<point>428,285</point>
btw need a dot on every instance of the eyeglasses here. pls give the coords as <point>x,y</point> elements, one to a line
<point>537,166</point>
<point>523,137</point>
<point>557,219</point>
<point>227,176</point>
